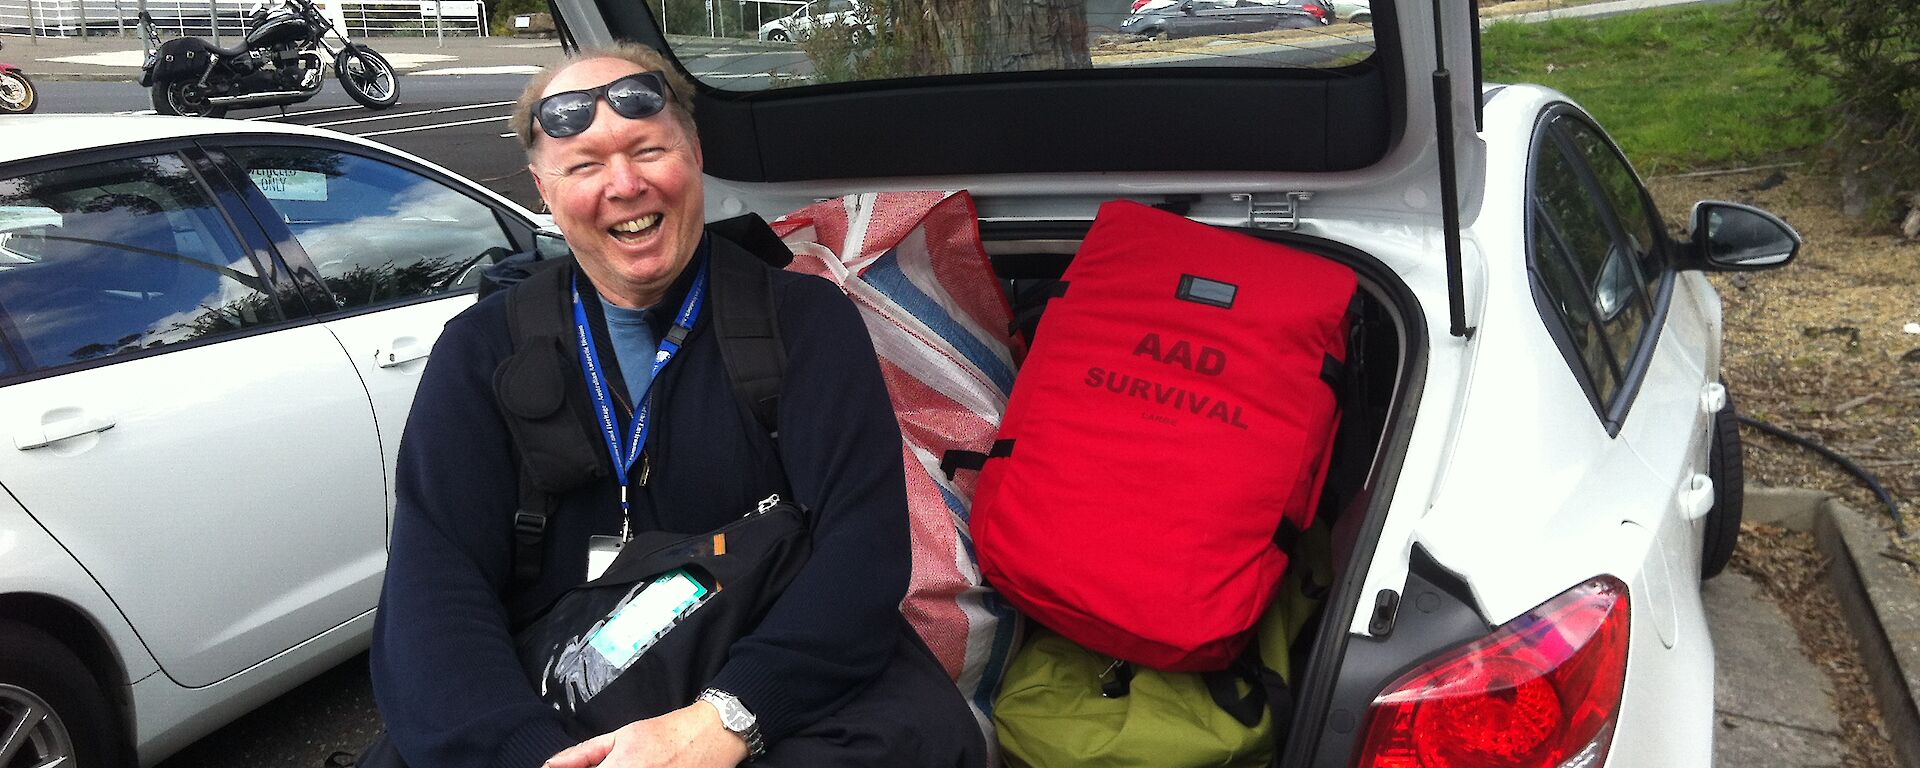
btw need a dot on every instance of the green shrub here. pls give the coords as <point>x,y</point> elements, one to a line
<point>1868,52</point>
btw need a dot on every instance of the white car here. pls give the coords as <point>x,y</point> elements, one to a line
<point>800,24</point>
<point>1543,467</point>
<point>212,335</point>
<point>1357,11</point>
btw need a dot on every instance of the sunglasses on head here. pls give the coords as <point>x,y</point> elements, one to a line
<point>571,112</point>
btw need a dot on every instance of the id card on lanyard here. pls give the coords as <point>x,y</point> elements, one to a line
<point>601,550</point>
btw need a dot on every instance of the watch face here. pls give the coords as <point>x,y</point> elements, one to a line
<point>733,714</point>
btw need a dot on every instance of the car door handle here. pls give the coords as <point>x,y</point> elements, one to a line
<point>1697,497</point>
<point>1713,397</point>
<point>400,352</point>
<point>48,434</point>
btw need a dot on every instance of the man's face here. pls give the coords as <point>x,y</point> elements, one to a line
<point>626,193</point>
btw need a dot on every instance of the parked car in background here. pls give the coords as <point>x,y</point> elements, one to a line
<point>1537,471</point>
<point>1192,18</point>
<point>801,24</point>
<point>1357,11</point>
<point>210,335</point>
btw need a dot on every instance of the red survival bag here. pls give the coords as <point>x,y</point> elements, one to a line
<point>1166,439</point>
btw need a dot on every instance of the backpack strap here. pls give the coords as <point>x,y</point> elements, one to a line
<point>745,320</point>
<point>536,388</point>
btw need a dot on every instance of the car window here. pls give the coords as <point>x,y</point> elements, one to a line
<point>1623,192</point>
<point>1567,292</point>
<point>899,39</point>
<point>376,233</point>
<point>118,257</point>
<point>1589,266</point>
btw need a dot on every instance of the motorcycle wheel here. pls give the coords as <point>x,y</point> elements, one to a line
<point>183,97</point>
<point>17,96</point>
<point>367,76</point>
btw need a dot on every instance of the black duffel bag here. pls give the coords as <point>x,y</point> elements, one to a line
<point>910,715</point>
<point>594,654</point>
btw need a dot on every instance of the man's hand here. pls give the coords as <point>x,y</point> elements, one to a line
<point>689,737</point>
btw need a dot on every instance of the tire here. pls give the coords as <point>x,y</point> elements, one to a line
<point>183,97</point>
<point>779,36</point>
<point>71,717</point>
<point>367,76</point>
<point>17,96</point>
<point>1726,466</point>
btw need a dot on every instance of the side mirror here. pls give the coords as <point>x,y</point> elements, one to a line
<point>550,244</point>
<point>1187,8</point>
<point>1737,238</point>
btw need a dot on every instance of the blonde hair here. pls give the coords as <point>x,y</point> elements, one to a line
<point>679,89</point>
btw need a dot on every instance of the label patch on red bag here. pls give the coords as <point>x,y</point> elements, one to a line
<point>1200,290</point>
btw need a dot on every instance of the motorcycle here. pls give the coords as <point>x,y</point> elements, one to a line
<point>17,96</point>
<point>282,60</point>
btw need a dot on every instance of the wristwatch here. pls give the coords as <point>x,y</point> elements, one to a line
<point>736,718</point>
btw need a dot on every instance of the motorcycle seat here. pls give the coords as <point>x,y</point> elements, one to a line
<point>238,50</point>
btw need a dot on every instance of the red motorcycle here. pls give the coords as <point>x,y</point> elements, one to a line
<point>17,96</point>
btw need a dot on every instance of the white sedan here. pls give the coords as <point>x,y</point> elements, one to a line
<point>800,24</point>
<point>212,332</point>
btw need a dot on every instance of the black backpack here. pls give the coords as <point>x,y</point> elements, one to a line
<point>545,407</point>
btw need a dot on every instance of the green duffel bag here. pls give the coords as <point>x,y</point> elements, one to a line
<point>1063,706</point>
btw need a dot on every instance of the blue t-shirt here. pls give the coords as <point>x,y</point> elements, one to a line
<point>634,346</point>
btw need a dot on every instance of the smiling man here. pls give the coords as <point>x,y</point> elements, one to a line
<point>830,675</point>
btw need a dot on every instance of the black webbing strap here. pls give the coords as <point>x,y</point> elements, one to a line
<point>1224,687</point>
<point>956,460</point>
<point>745,324</point>
<point>532,387</point>
<point>1332,371</point>
<point>1287,536</point>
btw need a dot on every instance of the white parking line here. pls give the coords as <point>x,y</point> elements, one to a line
<point>508,69</point>
<point>307,112</point>
<point>411,114</point>
<point>430,127</point>
<point>137,112</point>
<point>729,75</point>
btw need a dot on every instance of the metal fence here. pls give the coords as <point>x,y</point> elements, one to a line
<point>216,18</point>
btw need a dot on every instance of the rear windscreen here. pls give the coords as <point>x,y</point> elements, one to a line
<point>748,45</point>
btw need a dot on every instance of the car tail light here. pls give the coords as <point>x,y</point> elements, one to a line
<point>1137,4</point>
<point>1315,10</point>
<point>1542,691</point>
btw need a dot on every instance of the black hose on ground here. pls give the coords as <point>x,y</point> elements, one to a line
<point>1899,525</point>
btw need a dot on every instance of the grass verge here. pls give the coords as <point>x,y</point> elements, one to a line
<point>1679,88</point>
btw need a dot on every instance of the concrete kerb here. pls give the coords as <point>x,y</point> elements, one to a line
<point>1878,599</point>
<point>1876,595</point>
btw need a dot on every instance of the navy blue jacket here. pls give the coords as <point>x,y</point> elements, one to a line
<point>445,675</point>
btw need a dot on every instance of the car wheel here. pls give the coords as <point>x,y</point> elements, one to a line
<point>52,708</point>
<point>1362,18</point>
<point>778,36</point>
<point>1726,466</point>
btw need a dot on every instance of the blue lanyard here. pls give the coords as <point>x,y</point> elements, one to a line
<point>603,402</point>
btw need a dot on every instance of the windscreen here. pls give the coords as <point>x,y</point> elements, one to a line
<point>762,44</point>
